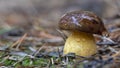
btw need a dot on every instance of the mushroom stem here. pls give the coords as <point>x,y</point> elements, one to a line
<point>80,43</point>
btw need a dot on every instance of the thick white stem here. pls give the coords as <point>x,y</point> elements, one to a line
<point>80,43</point>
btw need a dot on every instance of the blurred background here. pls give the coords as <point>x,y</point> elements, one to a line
<point>37,15</point>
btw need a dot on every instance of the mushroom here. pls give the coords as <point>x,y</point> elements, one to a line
<point>82,25</point>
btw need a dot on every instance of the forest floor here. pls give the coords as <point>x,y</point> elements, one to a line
<point>29,36</point>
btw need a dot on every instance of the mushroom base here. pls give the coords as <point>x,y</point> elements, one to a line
<point>80,43</point>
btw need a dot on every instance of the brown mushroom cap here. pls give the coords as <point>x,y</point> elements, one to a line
<point>84,21</point>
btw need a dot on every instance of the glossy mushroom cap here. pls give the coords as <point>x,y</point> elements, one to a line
<point>84,21</point>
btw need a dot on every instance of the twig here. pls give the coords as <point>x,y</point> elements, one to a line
<point>19,60</point>
<point>117,53</point>
<point>39,50</point>
<point>48,65</point>
<point>106,39</point>
<point>62,34</point>
<point>112,49</point>
<point>51,40</point>
<point>5,59</point>
<point>19,41</point>
<point>59,53</point>
<point>52,61</point>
